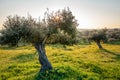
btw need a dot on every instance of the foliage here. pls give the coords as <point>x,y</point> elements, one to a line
<point>109,35</point>
<point>99,37</point>
<point>113,35</point>
<point>61,23</point>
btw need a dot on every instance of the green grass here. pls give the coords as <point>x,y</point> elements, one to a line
<point>77,62</point>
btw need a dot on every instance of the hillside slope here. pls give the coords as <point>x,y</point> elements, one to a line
<point>78,62</point>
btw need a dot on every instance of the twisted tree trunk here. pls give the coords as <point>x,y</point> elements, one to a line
<point>45,64</point>
<point>99,45</point>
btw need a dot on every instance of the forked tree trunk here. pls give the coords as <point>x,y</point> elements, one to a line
<point>99,45</point>
<point>45,64</point>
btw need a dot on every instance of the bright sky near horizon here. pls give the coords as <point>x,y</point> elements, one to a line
<point>89,13</point>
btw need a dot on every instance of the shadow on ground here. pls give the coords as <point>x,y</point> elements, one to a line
<point>117,56</point>
<point>25,57</point>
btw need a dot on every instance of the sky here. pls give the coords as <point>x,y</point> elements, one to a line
<point>91,14</point>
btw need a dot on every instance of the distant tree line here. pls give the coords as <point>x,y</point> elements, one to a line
<point>98,35</point>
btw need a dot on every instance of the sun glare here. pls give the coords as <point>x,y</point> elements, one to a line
<point>86,23</point>
<point>57,17</point>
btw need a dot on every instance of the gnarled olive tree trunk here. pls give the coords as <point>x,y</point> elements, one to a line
<point>45,64</point>
<point>98,44</point>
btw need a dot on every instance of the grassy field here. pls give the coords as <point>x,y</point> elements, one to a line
<point>78,62</point>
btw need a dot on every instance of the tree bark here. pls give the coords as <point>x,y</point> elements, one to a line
<point>99,45</point>
<point>45,64</point>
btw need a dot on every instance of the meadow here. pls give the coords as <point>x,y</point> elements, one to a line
<point>77,62</point>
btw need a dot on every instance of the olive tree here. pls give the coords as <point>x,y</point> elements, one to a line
<point>38,32</point>
<point>10,33</point>
<point>98,37</point>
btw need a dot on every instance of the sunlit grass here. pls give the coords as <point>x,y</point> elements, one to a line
<point>77,62</point>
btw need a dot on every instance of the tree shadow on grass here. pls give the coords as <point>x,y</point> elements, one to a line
<point>105,50</point>
<point>7,48</point>
<point>113,53</point>
<point>117,57</point>
<point>25,57</point>
<point>15,47</point>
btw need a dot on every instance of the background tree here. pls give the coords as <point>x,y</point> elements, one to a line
<point>98,37</point>
<point>10,32</point>
<point>38,32</point>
